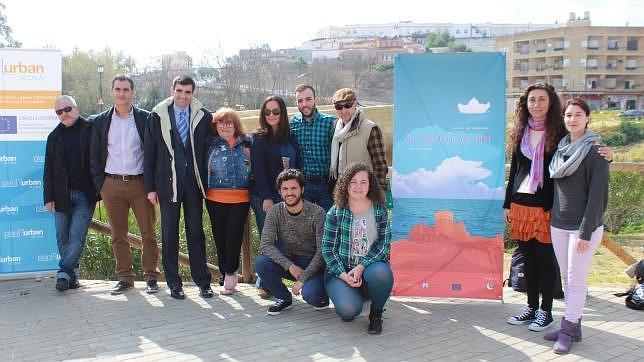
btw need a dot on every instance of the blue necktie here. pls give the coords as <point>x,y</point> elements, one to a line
<point>182,127</point>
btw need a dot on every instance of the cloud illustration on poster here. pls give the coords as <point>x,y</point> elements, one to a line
<point>473,107</point>
<point>454,178</point>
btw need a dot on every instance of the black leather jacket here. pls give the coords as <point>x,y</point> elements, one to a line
<point>55,176</point>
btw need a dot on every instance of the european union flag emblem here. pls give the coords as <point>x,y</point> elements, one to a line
<point>8,125</point>
<point>456,287</point>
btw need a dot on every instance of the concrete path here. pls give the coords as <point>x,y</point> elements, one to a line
<point>38,323</point>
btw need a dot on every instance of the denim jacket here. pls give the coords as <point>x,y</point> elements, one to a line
<point>229,168</point>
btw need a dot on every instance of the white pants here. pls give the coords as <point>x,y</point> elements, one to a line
<point>574,267</point>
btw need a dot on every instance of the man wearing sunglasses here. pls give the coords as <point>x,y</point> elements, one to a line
<point>356,139</point>
<point>68,188</point>
<point>177,137</point>
<point>116,161</point>
<point>314,132</point>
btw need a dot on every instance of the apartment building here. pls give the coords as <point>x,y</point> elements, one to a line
<point>602,64</point>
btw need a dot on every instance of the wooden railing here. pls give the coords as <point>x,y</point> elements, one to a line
<point>247,252</point>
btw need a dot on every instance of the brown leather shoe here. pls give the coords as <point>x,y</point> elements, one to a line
<point>264,293</point>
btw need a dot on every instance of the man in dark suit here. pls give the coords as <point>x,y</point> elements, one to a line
<point>177,137</point>
<point>116,162</point>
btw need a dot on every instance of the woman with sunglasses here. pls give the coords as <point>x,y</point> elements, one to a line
<point>356,139</point>
<point>228,196</point>
<point>538,127</point>
<point>274,149</point>
<point>581,193</point>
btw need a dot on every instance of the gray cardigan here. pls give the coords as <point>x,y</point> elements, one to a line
<point>301,235</point>
<point>581,198</point>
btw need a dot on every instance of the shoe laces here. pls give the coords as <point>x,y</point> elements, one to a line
<point>542,317</point>
<point>526,313</point>
<point>281,302</point>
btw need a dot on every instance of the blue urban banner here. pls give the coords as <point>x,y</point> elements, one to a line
<point>30,81</point>
<point>448,175</point>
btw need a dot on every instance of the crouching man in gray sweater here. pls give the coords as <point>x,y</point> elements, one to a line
<point>299,224</point>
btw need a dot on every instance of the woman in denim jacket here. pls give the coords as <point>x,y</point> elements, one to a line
<point>227,197</point>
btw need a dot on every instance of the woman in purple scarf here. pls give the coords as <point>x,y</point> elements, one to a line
<point>528,197</point>
<point>538,127</point>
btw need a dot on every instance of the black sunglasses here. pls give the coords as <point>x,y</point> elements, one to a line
<point>64,110</point>
<point>339,106</point>
<point>275,111</point>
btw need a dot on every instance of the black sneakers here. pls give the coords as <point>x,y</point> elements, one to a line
<point>542,322</point>
<point>528,314</point>
<point>279,306</point>
<point>151,286</point>
<point>121,287</point>
<point>62,284</point>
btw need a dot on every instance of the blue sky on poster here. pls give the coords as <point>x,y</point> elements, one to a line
<point>145,28</point>
<point>449,133</point>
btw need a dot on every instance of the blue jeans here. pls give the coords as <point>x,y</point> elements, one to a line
<point>377,282</point>
<point>71,231</point>
<point>318,192</point>
<point>272,273</point>
<point>256,204</point>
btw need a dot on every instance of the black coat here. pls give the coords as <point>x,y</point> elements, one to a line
<point>161,160</point>
<point>101,127</point>
<point>56,178</point>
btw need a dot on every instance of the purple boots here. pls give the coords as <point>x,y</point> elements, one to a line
<point>552,336</point>
<point>568,333</point>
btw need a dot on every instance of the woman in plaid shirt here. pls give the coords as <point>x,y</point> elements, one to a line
<point>355,246</point>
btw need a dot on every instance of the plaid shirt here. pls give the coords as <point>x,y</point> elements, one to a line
<point>314,138</point>
<point>336,241</point>
<point>376,149</point>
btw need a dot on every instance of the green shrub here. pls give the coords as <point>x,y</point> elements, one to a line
<point>627,132</point>
<point>625,199</point>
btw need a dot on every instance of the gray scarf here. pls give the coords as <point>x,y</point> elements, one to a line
<point>341,133</point>
<point>569,155</point>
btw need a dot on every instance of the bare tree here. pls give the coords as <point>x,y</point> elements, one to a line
<point>359,62</point>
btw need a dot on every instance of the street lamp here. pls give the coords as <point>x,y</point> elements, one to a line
<point>101,70</point>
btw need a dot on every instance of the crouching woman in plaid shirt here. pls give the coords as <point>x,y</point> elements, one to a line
<point>355,246</point>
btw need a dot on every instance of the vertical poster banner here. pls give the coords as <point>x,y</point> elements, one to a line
<point>448,175</point>
<point>30,81</point>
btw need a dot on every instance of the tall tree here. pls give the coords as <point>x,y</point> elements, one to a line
<point>81,77</point>
<point>6,34</point>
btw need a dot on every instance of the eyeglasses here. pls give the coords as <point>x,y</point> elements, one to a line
<point>64,110</point>
<point>339,106</point>
<point>275,111</point>
<point>225,124</point>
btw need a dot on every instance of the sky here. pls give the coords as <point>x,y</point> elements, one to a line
<point>145,29</point>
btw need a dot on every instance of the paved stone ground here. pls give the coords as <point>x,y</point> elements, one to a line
<point>39,323</point>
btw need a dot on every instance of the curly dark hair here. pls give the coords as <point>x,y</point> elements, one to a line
<point>283,129</point>
<point>555,127</point>
<point>341,193</point>
<point>289,174</point>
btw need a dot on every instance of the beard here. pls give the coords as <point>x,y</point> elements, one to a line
<point>292,202</point>
<point>310,110</point>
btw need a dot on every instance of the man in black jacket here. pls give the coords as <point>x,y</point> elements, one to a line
<point>116,161</point>
<point>68,188</point>
<point>177,137</point>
